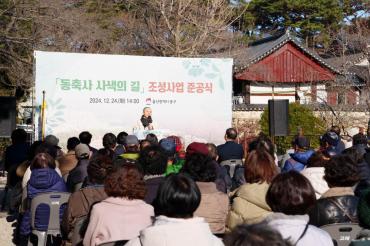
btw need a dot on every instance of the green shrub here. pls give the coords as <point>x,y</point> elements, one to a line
<point>299,116</point>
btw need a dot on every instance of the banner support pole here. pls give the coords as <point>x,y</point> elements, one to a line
<point>43,105</point>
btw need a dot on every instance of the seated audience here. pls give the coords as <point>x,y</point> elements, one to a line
<point>177,200</point>
<point>68,161</point>
<point>341,145</point>
<point>339,203</point>
<point>223,180</point>
<point>329,144</point>
<point>364,215</point>
<point>41,148</point>
<point>153,162</point>
<point>14,155</point>
<point>81,201</point>
<point>143,144</point>
<point>173,148</point>
<point>78,174</point>
<point>132,147</point>
<point>357,155</point>
<point>85,138</point>
<point>230,150</point>
<point>123,214</point>
<point>152,138</point>
<point>120,148</point>
<point>255,235</point>
<point>54,141</point>
<point>298,160</point>
<point>262,142</point>
<point>110,143</point>
<point>176,163</point>
<point>290,196</point>
<point>249,202</point>
<point>214,204</point>
<point>43,179</point>
<point>315,171</point>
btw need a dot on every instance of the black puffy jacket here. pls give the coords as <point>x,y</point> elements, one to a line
<point>336,209</point>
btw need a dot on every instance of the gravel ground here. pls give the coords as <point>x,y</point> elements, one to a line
<point>6,229</point>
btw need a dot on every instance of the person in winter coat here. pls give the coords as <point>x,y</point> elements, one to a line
<point>43,179</point>
<point>81,201</point>
<point>124,213</point>
<point>214,204</point>
<point>178,198</point>
<point>153,162</point>
<point>290,197</point>
<point>298,160</point>
<point>78,174</point>
<point>314,172</point>
<point>68,161</point>
<point>249,204</point>
<point>255,235</point>
<point>339,203</point>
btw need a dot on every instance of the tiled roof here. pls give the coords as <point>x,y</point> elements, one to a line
<point>246,56</point>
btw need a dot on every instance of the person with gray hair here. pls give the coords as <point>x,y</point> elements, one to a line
<point>146,119</point>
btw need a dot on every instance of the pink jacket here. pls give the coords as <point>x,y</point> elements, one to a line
<point>116,219</point>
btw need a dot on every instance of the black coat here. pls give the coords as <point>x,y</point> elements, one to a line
<point>336,209</point>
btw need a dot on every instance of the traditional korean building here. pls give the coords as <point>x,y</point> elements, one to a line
<point>280,67</point>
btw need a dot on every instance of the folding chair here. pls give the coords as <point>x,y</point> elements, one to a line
<point>231,165</point>
<point>342,233</point>
<point>54,200</point>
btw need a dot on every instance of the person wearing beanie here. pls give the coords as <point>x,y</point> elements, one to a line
<point>78,174</point>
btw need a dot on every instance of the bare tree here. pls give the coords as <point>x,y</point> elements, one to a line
<point>16,40</point>
<point>182,27</point>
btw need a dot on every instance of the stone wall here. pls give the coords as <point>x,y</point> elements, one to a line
<point>248,121</point>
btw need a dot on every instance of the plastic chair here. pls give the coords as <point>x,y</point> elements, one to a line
<point>342,233</point>
<point>115,243</point>
<point>360,243</point>
<point>54,200</point>
<point>231,165</point>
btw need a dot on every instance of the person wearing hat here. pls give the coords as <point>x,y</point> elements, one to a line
<point>171,149</point>
<point>298,160</point>
<point>54,141</point>
<point>132,147</point>
<point>78,174</point>
<point>329,144</point>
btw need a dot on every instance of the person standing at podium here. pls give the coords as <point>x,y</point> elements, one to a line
<point>146,119</point>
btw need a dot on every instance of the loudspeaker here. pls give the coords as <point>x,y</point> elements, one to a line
<point>7,116</point>
<point>278,117</point>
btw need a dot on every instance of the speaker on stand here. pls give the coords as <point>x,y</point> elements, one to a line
<point>278,117</point>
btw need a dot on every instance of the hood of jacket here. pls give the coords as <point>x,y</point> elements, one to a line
<point>302,157</point>
<point>173,231</point>
<point>255,193</point>
<point>45,180</point>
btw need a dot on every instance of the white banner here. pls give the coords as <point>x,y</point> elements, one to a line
<point>189,97</point>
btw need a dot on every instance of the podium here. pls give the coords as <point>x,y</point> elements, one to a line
<point>160,133</point>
